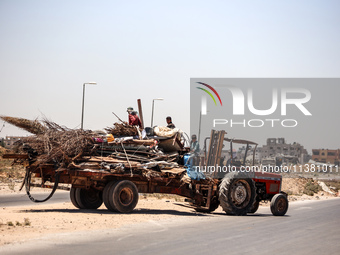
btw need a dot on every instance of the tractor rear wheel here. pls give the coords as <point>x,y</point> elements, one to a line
<point>279,204</point>
<point>237,193</point>
<point>255,206</point>
<point>122,196</point>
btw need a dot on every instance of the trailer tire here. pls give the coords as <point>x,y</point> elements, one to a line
<point>88,198</point>
<point>237,193</point>
<point>106,196</point>
<point>213,206</point>
<point>279,205</point>
<point>73,197</point>
<point>123,196</point>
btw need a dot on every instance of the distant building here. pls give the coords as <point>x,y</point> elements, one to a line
<point>250,153</point>
<point>326,156</point>
<point>9,141</point>
<point>226,153</point>
<point>278,148</point>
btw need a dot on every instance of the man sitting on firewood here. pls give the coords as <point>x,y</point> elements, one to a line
<point>133,118</point>
<point>169,122</point>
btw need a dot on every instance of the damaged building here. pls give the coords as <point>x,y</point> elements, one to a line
<point>278,149</point>
<point>9,141</point>
<point>326,156</point>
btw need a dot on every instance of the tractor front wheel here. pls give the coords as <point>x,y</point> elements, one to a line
<point>279,204</point>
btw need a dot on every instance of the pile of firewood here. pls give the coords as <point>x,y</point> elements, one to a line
<point>64,147</point>
<point>122,129</point>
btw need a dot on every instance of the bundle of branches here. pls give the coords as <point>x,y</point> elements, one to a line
<point>60,145</point>
<point>122,129</point>
<point>32,126</point>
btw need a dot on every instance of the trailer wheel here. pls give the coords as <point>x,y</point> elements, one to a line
<point>123,196</point>
<point>213,206</point>
<point>88,198</point>
<point>106,196</point>
<point>73,197</point>
<point>279,205</point>
<point>237,193</point>
<point>255,206</point>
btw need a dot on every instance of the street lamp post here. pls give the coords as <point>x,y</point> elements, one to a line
<point>82,108</point>
<point>153,106</point>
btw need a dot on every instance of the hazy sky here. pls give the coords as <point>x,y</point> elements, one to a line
<point>150,49</point>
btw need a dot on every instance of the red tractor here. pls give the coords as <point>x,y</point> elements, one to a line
<point>240,185</point>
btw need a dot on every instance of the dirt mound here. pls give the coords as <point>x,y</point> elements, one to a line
<point>294,186</point>
<point>309,189</point>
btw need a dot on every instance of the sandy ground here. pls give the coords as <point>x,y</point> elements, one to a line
<point>26,222</point>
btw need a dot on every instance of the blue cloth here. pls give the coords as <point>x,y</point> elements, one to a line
<point>192,171</point>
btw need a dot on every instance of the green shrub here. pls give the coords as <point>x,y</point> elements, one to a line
<point>311,188</point>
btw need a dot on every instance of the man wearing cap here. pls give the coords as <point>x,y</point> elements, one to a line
<point>133,118</point>
<point>169,121</point>
<point>194,146</point>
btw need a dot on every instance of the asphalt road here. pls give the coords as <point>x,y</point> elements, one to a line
<point>310,227</point>
<point>22,199</point>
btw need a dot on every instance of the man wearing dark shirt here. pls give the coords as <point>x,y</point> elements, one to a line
<point>169,121</point>
<point>194,146</point>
